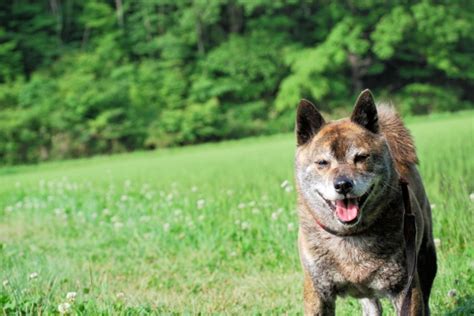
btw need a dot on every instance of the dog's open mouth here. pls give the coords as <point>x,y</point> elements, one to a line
<point>348,209</point>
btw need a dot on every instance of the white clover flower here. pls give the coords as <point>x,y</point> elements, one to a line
<point>6,283</point>
<point>64,308</point>
<point>452,293</point>
<point>71,296</point>
<point>291,227</point>
<point>437,242</point>
<point>433,206</point>
<point>106,211</point>
<point>200,203</point>
<point>241,205</point>
<point>245,225</point>
<point>274,216</point>
<point>33,275</point>
<point>166,227</point>
<point>124,198</point>
<point>471,196</point>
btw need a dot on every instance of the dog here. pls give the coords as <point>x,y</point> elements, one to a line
<point>354,237</point>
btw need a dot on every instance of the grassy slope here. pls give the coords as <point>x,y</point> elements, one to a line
<point>205,228</point>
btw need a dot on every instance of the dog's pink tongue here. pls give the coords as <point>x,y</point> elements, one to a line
<point>347,210</point>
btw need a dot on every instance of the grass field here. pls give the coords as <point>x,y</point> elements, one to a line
<point>207,229</point>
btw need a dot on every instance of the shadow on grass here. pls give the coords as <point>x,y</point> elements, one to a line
<point>464,306</point>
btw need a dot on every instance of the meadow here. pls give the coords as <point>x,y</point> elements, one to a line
<point>204,229</point>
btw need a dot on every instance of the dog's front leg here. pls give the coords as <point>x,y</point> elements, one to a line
<point>371,307</point>
<point>417,306</point>
<point>314,302</point>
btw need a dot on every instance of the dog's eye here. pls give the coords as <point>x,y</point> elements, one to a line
<point>322,163</point>
<point>360,158</point>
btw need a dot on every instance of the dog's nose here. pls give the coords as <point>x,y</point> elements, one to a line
<point>343,185</point>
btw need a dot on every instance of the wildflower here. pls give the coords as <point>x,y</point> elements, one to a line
<point>106,212</point>
<point>33,275</point>
<point>64,308</point>
<point>200,203</point>
<point>124,198</point>
<point>166,227</point>
<point>452,293</point>
<point>71,296</point>
<point>120,295</point>
<point>5,283</point>
<point>245,225</point>
<point>437,242</point>
<point>241,205</point>
<point>233,254</point>
<point>433,206</point>
<point>255,210</point>
<point>274,216</point>
<point>291,227</point>
<point>471,196</point>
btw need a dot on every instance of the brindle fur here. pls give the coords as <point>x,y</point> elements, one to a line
<point>368,262</point>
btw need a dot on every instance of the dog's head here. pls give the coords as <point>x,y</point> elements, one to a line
<point>342,167</point>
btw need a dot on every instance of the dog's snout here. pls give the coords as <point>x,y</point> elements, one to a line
<point>343,185</point>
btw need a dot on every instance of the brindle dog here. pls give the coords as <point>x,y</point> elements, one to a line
<point>351,235</point>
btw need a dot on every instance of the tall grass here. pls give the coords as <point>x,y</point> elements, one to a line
<point>209,228</point>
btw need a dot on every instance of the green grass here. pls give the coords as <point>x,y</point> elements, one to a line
<point>201,229</point>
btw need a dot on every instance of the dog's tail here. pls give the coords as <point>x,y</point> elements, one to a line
<point>398,138</point>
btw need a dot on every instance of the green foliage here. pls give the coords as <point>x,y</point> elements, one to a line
<point>79,78</point>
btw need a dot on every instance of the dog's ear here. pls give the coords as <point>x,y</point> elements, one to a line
<point>308,122</point>
<point>365,112</point>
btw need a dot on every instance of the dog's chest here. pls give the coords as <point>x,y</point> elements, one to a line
<point>357,268</point>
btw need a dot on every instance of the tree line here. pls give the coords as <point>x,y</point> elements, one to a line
<point>82,77</point>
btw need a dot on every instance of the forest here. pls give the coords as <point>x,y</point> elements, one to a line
<point>86,77</point>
